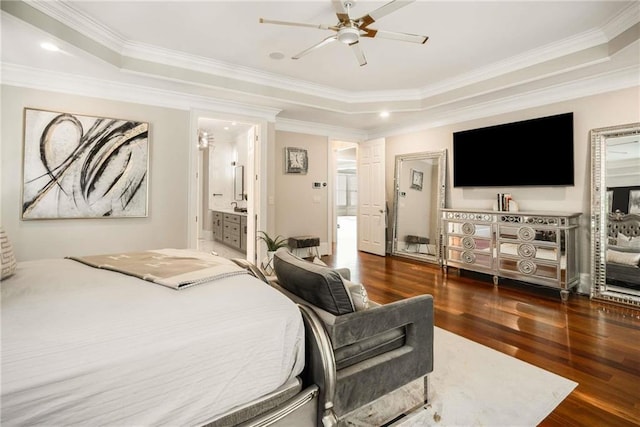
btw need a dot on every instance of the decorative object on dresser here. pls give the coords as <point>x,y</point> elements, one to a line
<point>535,247</point>
<point>78,166</point>
<point>505,203</point>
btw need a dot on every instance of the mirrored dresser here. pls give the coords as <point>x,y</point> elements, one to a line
<point>534,247</point>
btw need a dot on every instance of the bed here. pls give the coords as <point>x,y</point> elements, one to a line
<point>90,346</point>
<point>623,250</point>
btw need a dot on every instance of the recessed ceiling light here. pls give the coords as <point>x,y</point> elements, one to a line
<point>234,123</point>
<point>49,46</point>
<point>384,114</point>
<point>226,128</point>
<point>276,55</point>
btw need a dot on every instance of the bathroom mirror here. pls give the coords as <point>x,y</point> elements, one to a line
<point>615,214</point>
<point>238,183</point>
<point>419,196</point>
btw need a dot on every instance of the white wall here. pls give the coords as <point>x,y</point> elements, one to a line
<point>166,224</point>
<point>592,112</point>
<point>300,209</point>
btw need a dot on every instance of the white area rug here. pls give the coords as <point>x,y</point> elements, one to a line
<point>474,385</point>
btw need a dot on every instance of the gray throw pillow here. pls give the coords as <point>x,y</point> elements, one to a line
<point>320,285</point>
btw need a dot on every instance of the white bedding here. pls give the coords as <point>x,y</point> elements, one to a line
<point>83,346</point>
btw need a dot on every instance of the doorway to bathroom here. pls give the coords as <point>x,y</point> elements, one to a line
<point>225,194</point>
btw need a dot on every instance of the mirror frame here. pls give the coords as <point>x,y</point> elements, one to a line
<point>599,216</point>
<point>441,157</point>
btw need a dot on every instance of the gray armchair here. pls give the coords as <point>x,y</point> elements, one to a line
<point>356,356</point>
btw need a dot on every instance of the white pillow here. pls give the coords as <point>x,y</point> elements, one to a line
<point>628,242</point>
<point>626,258</point>
<point>358,295</point>
<point>7,258</point>
<point>318,261</point>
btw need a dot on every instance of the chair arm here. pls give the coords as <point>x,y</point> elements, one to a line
<point>320,365</point>
<point>353,327</point>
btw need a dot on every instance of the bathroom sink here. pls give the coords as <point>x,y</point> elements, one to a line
<point>242,210</point>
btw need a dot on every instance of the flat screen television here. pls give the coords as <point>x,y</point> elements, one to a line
<point>536,152</point>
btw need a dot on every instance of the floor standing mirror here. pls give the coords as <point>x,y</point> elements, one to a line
<point>419,196</point>
<point>615,214</point>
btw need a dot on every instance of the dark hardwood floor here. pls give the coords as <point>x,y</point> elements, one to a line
<point>592,343</point>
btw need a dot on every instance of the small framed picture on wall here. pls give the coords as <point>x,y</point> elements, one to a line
<point>416,179</point>
<point>295,160</point>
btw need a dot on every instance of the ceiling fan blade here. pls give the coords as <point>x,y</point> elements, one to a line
<point>405,37</point>
<point>298,24</point>
<point>316,46</point>
<point>388,8</point>
<point>341,12</point>
<point>357,51</point>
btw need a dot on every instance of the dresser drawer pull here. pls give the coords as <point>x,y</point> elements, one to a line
<point>468,257</point>
<point>526,233</point>
<point>468,242</point>
<point>468,228</point>
<point>526,250</point>
<point>526,266</point>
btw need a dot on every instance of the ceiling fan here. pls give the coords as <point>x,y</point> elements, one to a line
<point>349,30</point>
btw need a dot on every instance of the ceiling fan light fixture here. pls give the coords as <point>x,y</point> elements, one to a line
<point>348,35</point>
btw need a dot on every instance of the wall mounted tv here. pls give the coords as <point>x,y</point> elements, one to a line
<point>536,152</point>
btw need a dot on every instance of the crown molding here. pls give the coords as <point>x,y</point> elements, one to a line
<point>624,20</point>
<point>80,22</point>
<point>589,86</point>
<point>332,132</point>
<point>35,78</point>
<point>76,20</point>
<point>526,59</point>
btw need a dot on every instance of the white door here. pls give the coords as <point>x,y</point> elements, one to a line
<point>371,197</point>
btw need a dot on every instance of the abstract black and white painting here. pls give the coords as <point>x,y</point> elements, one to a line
<point>79,166</point>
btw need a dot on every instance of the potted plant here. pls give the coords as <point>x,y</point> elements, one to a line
<point>273,244</point>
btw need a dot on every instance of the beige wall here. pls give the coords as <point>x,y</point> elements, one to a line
<point>592,112</point>
<point>300,209</point>
<point>166,225</point>
<point>293,207</point>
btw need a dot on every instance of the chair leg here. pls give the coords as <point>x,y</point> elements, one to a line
<point>426,389</point>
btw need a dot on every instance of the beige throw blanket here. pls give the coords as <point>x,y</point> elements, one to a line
<point>174,268</point>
